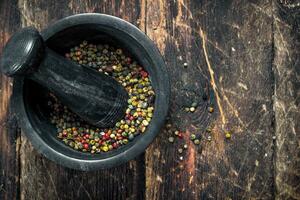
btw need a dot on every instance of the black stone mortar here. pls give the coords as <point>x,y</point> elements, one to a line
<point>29,100</point>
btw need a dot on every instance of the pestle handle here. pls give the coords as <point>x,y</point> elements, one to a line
<point>95,97</point>
<point>23,51</point>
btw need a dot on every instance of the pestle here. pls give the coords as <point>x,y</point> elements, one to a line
<point>94,96</point>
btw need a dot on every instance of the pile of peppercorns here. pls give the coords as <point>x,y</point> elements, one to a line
<point>112,61</point>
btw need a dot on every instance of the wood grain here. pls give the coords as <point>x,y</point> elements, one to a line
<point>286,103</point>
<point>9,133</point>
<point>228,44</point>
<point>244,53</point>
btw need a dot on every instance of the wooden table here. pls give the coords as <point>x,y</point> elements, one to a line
<point>247,51</point>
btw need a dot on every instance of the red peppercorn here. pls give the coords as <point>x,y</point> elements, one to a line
<point>106,136</point>
<point>180,135</point>
<point>115,145</point>
<point>144,74</point>
<point>120,131</point>
<point>131,118</point>
<point>120,138</point>
<point>86,146</point>
<point>128,60</point>
<point>65,133</point>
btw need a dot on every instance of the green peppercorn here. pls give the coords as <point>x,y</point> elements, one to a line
<point>228,135</point>
<point>193,137</point>
<point>196,141</point>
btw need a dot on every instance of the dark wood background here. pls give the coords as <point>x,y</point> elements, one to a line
<point>248,50</point>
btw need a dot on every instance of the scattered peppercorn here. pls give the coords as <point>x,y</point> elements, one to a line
<point>180,150</point>
<point>193,137</point>
<point>228,135</point>
<point>180,135</point>
<point>171,139</point>
<point>192,109</point>
<point>196,141</point>
<point>208,129</point>
<point>209,138</point>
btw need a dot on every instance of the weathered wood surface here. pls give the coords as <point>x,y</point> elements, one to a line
<point>286,101</point>
<point>229,44</point>
<point>9,133</point>
<point>247,51</point>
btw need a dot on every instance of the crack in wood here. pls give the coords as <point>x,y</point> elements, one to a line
<point>212,78</point>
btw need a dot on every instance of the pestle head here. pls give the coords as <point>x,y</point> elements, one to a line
<point>94,96</point>
<point>23,51</point>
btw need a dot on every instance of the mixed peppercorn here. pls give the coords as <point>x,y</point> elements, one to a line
<point>113,62</point>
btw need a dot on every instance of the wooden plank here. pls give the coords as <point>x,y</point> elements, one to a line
<point>41,178</point>
<point>228,43</point>
<point>286,103</point>
<point>9,134</point>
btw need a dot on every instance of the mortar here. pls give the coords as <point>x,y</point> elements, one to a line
<point>29,99</point>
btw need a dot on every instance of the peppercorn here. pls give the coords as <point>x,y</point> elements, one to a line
<point>192,109</point>
<point>193,137</point>
<point>180,150</point>
<point>228,135</point>
<point>171,139</point>
<point>113,62</point>
<point>209,138</point>
<point>196,141</point>
<point>86,146</point>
